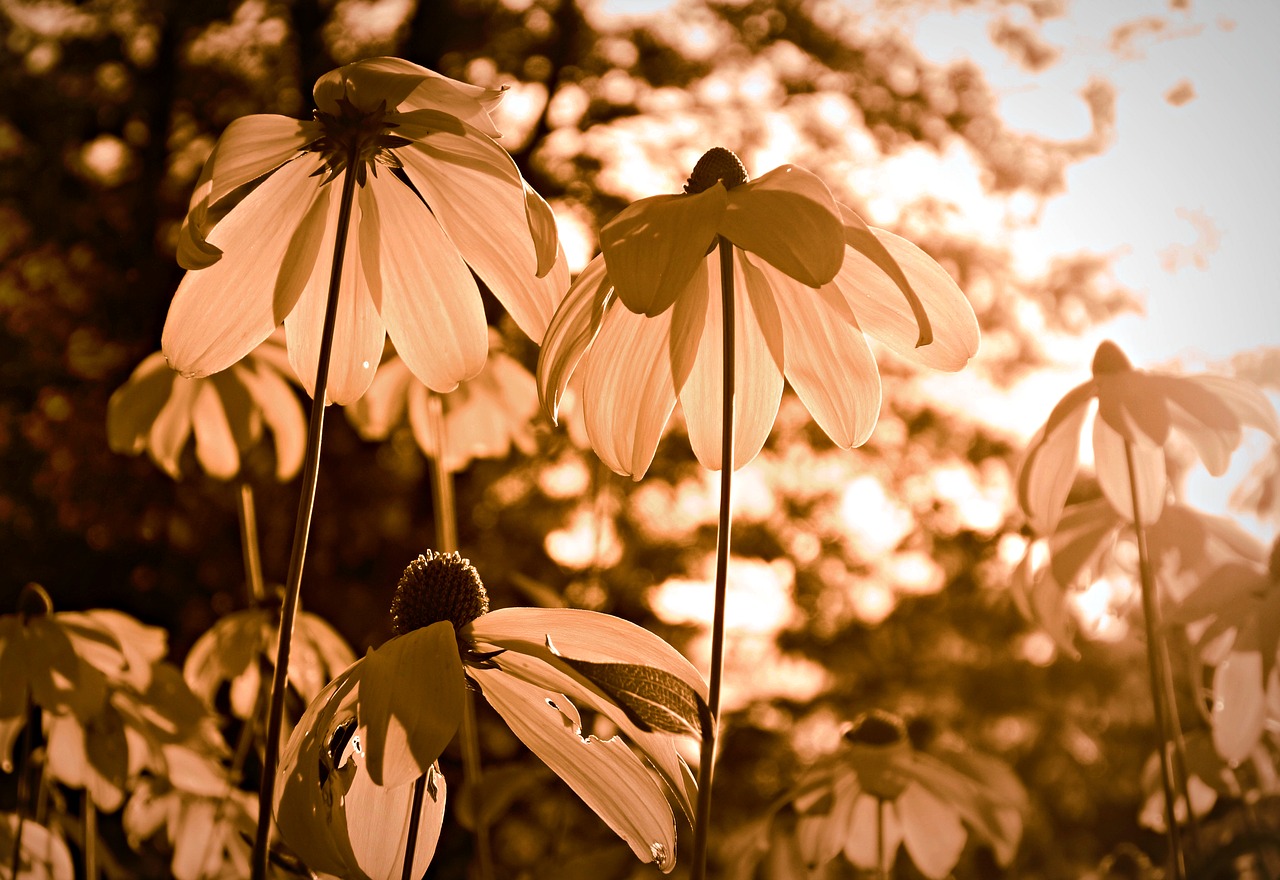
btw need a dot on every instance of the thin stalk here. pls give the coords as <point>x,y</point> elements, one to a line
<point>302,529</point>
<point>415,819</point>
<point>706,763</point>
<point>882,858</point>
<point>249,545</point>
<point>90,839</point>
<point>1159,695</point>
<point>24,781</point>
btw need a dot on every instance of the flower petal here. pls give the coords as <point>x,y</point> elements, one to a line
<point>574,325</point>
<point>757,374</point>
<point>384,404</point>
<point>406,86</point>
<point>1247,401</point>
<point>862,845</point>
<point>825,357</point>
<point>411,694</point>
<point>608,777</point>
<point>375,821</point>
<point>546,239</point>
<point>1133,406</point>
<point>1112,467</point>
<point>821,835</point>
<point>789,219</point>
<point>476,193</point>
<point>656,245</point>
<point>628,389</point>
<point>272,240</point>
<point>1082,535</point>
<point>1049,468</point>
<point>358,332</point>
<point>877,299</point>
<point>215,446</point>
<point>931,830</point>
<point>283,414</point>
<point>172,427</point>
<point>1239,710</point>
<point>133,406</point>
<point>428,298</point>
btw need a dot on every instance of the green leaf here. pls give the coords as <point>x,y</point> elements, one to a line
<point>653,698</point>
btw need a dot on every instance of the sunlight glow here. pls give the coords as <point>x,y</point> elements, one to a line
<point>875,523</point>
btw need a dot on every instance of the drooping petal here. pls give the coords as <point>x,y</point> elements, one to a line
<point>1049,468</point>
<point>1132,405</point>
<point>654,246</point>
<point>608,777</point>
<point>789,219</point>
<point>1239,710</point>
<point>133,406</point>
<point>358,332</point>
<point>272,240</point>
<point>384,404</point>
<point>249,148</point>
<point>1247,401</point>
<point>476,193</point>
<point>878,301</point>
<point>628,389</point>
<point>757,374</point>
<point>874,824</point>
<point>423,424</point>
<point>1202,417</point>
<point>931,831</point>
<point>282,413</point>
<point>215,446</point>
<point>411,694</point>
<point>427,296</point>
<point>575,324</point>
<point>375,821</point>
<point>825,357</point>
<point>1112,467</point>
<point>821,835</point>
<point>546,239</point>
<point>1083,534</point>
<point>859,236</point>
<point>172,427</point>
<point>406,86</point>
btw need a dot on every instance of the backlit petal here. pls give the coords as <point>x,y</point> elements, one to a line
<point>1133,406</point>
<point>172,427</point>
<point>375,821</point>
<point>877,299</point>
<point>1112,467</point>
<point>1049,469</point>
<point>1202,417</point>
<point>757,375</point>
<point>282,413</point>
<point>215,446</point>
<point>826,358</point>
<point>862,238</point>
<point>628,389</point>
<point>654,246</point>
<point>788,218</point>
<point>475,192</point>
<point>133,406</point>
<point>1239,710</point>
<point>608,777</point>
<point>272,242</point>
<point>1247,401</point>
<point>406,86</point>
<point>358,333</point>
<point>383,405</point>
<point>1083,534</point>
<point>546,240</point>
<point>429,299</point>
<point>931,831</point>
<point>862,846</point>
<point>821,835</point>
<point>575,324</point>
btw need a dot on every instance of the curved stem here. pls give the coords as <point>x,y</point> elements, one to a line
<point>1157,672</point>
<point>302,528</point>
<point>249,545</point>
<point>706,763</point>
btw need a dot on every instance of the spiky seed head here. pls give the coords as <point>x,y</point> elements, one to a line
<point>435,587</point>
<point>716,164</point>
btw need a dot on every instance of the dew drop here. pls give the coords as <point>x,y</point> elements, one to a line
<point>364,365</point>
<point>660,854</point>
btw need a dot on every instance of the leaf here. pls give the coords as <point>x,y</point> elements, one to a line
<point>653,698</point>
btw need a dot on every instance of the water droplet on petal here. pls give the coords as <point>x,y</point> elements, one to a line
<point>660,854</point>
<point>364,365</point>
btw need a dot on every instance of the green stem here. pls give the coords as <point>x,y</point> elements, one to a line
<point>1159,695</point>
<point>706,764</point>
<point>249,545</point>
<point>302,528</point>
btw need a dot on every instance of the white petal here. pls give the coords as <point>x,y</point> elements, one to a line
<point>385,403</point>
<point>757,374</point>
<point>358,332</point>
<point>573,327</point>
<point>790,220</point>
<point>1049,468</point>
<point>1239,710</point>
<point>1112,467</point>
<point>429,300</point>
<point>931,830</point>
<point>282,412</point>
<point>215,446</point>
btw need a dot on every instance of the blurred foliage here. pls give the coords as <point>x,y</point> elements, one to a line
<point>110,109</point>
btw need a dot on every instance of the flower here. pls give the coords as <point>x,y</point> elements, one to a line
<point>923,800</point>
<point>347,774</point>
<point>809,279</point>
<point>483,417</point>
<point>1239,604</point>
<point>159,410</point>
<point>437,199</point>
<point>1138,408</point>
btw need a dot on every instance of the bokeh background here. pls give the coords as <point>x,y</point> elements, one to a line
<point>1084,169</point>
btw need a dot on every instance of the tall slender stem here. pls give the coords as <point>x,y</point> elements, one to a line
<point>1159,695</point>
<point>302,527</point>
<point>415,820</point>
<point>710,732</point>
<point>882,858</point>
<point>90,839</point>
<point>249,545</point>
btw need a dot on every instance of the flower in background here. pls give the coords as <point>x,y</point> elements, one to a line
<point>158,410</point>
<point>809,279</point>
<point>348,771</point>
<point>1141,409</point>
<point>438,198</point>
<point>882,791</point>
<point>1238,607</point>
<point>482,418</point>
<point>208,832</point>
<point>42,854</point>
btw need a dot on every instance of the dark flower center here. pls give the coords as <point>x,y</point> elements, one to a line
<point>1110,359</point>
<point>716,164</point>
<point>877,728</point>
<point>436,587</point>
<point>352,132</point>
<point>34,601</point>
